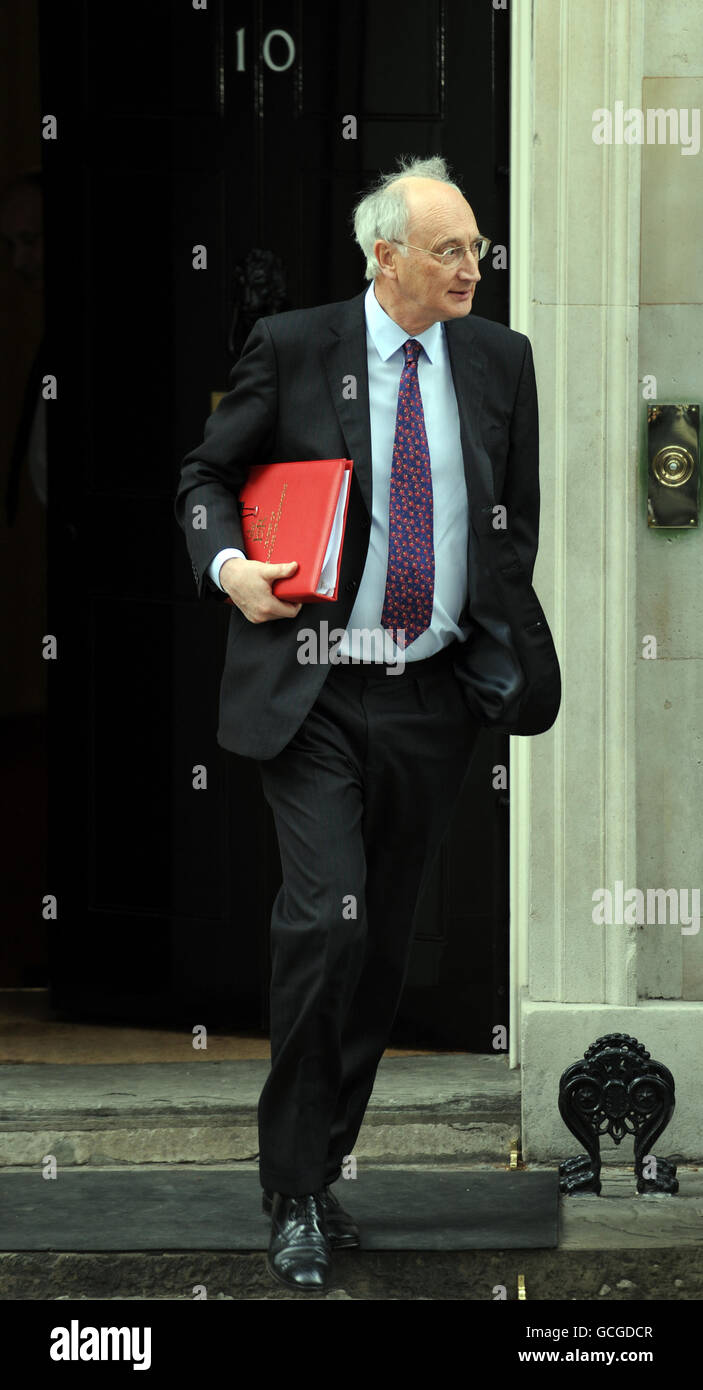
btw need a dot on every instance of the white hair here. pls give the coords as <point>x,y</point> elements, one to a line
<point>383,212</point>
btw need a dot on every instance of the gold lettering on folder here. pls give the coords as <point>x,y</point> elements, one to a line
<point>272,528</point>
<point>265,528</point>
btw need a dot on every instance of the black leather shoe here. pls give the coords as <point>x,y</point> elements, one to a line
<point>342,1229</point>
<point>299,1251</point>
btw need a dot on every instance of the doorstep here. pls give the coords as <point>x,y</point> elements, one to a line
<point>455,1108</point>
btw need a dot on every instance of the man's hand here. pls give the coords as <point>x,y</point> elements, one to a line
<point>248,583</point>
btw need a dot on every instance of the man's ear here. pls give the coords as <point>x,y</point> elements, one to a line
<point>385,254</point>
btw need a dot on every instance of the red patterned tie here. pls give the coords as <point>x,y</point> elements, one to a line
<point>409,592</point>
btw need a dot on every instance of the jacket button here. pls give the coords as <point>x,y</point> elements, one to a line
<point>351,586</point>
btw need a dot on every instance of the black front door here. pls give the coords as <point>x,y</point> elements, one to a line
<point>201,172</point>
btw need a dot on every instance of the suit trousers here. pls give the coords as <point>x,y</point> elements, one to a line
<point>361,797</point>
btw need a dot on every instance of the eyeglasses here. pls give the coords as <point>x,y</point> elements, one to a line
<point>454,255</point>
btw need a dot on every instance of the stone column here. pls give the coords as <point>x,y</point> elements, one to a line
<point>575,262</point>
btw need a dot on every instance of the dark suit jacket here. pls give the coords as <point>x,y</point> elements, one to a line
<point>287,401</point>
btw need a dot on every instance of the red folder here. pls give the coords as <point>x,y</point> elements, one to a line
<point>298,511</point>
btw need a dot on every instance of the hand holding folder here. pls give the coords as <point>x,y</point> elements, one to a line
<point>298,511</point>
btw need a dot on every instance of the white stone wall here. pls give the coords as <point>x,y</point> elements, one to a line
<point>669,712</point>
<point>613,791</point>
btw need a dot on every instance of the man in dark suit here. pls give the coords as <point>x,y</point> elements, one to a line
<point>362,756</point>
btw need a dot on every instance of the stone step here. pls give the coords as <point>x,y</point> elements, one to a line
<point>550,1275</point>
<point>443,1109</point>
<point>617,1247</point>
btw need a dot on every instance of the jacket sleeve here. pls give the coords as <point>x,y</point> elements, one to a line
<point>521,492</point>
<point>238,434</point>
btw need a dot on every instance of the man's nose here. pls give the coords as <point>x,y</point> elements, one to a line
<point>468,270</point>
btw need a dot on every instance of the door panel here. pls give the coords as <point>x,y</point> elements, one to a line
<point>220,128</point>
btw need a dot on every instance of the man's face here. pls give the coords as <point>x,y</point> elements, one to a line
<point>420,289</point>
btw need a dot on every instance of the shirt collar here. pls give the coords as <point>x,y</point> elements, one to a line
<point>388,336</point>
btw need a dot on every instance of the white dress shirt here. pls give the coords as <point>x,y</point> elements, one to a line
<point>450,508</point>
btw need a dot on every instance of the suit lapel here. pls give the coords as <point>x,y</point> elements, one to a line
<point>344,354</point>
<point>468,367</point>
